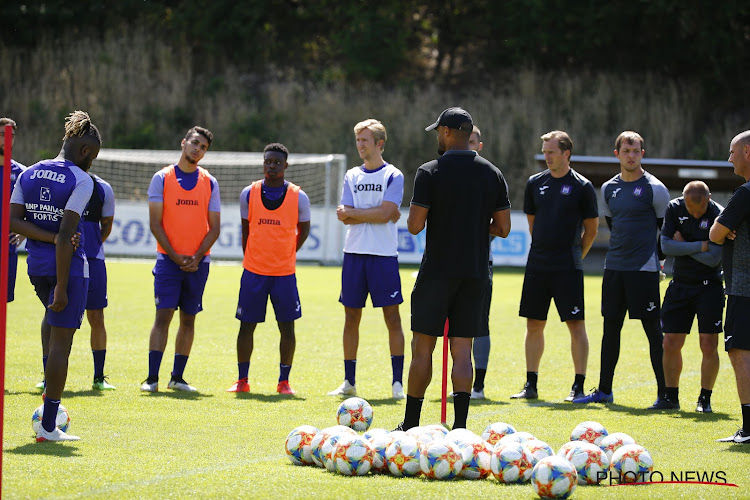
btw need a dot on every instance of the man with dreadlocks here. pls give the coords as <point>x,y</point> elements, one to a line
<point>46,207</point>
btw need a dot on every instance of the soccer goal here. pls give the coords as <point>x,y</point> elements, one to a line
<point>129,172</point>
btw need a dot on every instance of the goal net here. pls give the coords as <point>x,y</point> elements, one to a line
<point>129,172</point>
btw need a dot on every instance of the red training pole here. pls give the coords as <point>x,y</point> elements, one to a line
<point>444,400</point>
<point>4,231</point>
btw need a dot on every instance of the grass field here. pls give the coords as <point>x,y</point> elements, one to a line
<point>217,445</point>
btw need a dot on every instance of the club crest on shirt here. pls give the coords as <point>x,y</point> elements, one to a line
<point>638,191</point>
<point>704,224</point>
<point>565,190</point>
<point>44,194</point>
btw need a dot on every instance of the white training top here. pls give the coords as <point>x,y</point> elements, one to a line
<point>367,189</point>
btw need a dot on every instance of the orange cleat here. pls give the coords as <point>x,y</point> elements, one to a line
<point>283,388</point>
<point>240,386</point>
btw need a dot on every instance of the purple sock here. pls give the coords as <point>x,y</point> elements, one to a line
<point>284,372</point>
<point>397,364</point>
<point>154,362</point>
<point>350,370</point>
<point>180,360</point>
<point>99,357</point>
<point>244,369</point>
<point>49,418</point>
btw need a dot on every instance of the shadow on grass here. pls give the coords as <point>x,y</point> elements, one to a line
<point>475,402</point>
<point>738,448</point>
<point>47,449</point>
<point>268,398</point>
<point>192,396</point>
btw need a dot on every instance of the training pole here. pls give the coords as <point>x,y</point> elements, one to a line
<point>444,398</point>
<point>5,231</point>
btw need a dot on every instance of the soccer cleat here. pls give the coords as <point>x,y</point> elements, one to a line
<point>399,427</point>
<point>179,384</point>
<point>101,384</point>
<point>575,393</point>
<point>150,385</point>
<point>596,396</point>
<point>398,390</point>
<point>703,405</point>
<point>40,385</point>
<point>662,403</point>
<point>240,386</point>
<point>477,394</point>
<point>345,389</point>
<point>740,437</point>
<point>55,435</point>
<point>284,388</point>
<point>528,392</point>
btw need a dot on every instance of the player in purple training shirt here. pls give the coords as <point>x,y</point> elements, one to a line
<point>15,239</point>
<point>46,207</point>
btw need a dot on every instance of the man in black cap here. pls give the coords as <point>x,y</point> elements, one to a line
<point>462,198</point>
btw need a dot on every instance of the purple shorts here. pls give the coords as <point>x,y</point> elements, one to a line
<point>97,297</point>
<point>255,290</point>
<point>374,274</point>
<point>72,315</point>
<point>175,288</point>
<point>12,269</point>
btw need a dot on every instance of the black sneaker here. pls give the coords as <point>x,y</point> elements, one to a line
<point>575,393</point>
<point>740,437</point>
<point>399,427</point>
<point>528,392</point>
<point>662,403</point>
<point>703,405</point>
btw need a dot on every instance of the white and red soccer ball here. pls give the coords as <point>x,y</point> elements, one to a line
<point>554,477</point>
<point>355,413</point>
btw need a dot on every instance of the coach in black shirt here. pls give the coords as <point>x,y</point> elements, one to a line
<point>461,197</point>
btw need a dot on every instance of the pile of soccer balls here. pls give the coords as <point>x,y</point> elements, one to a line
<point>501,452</point>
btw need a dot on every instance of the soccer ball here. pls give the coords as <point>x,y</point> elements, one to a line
<point>477,457</point>
<point>462,436</point>
<point>373,432</point>
<point>380,443</point>
<point>353,457</point>
<point>355,413</point>
<point>632,463</point>
<point>553,477</point>
<point>590,431</point>
<point>321,436</point>
<point>298,443</point>
<point>516,437</point>
<point>423,435</point>
<point>564,449</point>
<point>539,450</point>
<point>590,461</point>
<point>402,456</point>
<point>329,446</point>
<point>495,432</point>
<point>511,463</point>
<point>613,442</point>
<point>441,459</point>
<point>62,421</point>
<point>437,428</point>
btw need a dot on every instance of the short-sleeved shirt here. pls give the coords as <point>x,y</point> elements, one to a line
<point>187,181</point>
<point>101,204</point>
<point>47,189</point>
<point>687,269</point>
<point>273,194</point>
<point>15,170</point>
<point>367,189</point>
<point>736,253</point>
<point>559,206</point>
<point>461,191</point>
<point>634,208</point>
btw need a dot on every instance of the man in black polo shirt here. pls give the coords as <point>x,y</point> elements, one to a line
<point>461,198</point>
<point>561,208</point>
<point>696,289</point>
<point>731,230</point>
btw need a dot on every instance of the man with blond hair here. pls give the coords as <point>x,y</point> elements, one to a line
<point>731,230</point>
<point>561,208</point>
<point>369,208</point>
<point>696,289</point>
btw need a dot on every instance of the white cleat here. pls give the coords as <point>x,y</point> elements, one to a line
<point>147,386</point>
<point>398,391</point>
<point>55,435</point>
<point>477,394</point>
<point>180,385</point>
<point>345,389</point>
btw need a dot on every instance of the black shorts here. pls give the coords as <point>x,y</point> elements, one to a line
<point>462,301</point>
<point>736,335</point>
<point>540,287</point>
<point>636,292</point>
<point>683,301</point>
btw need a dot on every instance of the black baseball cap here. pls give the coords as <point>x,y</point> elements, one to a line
<point>456,117</point>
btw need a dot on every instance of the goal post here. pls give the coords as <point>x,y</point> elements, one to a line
<point>129,172</point>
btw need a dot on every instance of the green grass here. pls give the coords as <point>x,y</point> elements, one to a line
<point>217,444</point>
